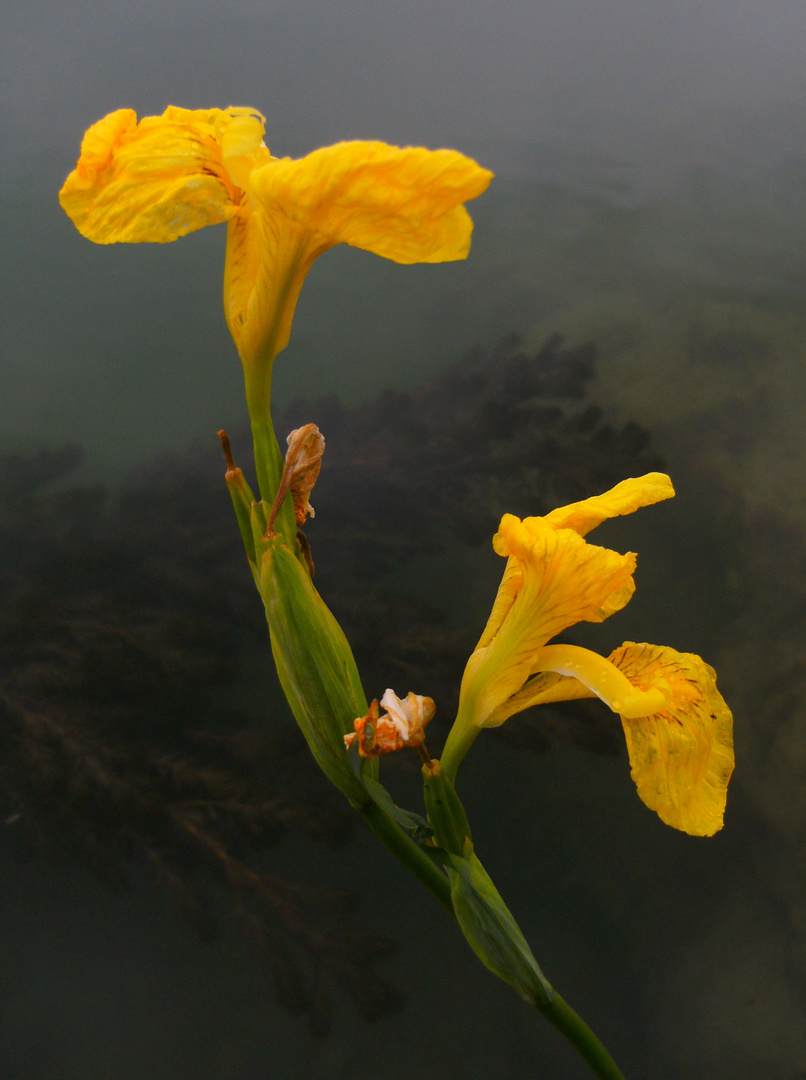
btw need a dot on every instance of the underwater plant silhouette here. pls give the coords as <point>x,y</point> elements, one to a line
<point>126,738</point>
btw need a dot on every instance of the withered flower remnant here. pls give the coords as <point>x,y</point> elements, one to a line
<point>402,725</point>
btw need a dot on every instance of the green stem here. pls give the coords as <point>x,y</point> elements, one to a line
<point>560,1013</point>
<point>269,466</point>
<point>460,738</point>
<point>404,849</point>
<point>268,459</point>
<point>268,455</point>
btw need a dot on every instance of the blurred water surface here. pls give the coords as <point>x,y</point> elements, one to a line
<point>650,198</point>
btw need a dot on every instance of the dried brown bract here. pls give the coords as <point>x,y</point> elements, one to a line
<point>303,460</point>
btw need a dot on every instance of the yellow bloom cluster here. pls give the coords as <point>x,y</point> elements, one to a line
<point>166,176</point>
<point>169,175</point>
<point>677,725</point>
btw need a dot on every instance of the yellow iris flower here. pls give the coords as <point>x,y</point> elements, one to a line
<point>677,725</point>
<point>169,175</point>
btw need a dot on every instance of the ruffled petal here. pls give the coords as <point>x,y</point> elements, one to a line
<point>158,179</point>
<point>405,205</point>
<point>402,204</point>
<point>169,175</point>
<point>624,498</point>
<point>681,758</point>
<point>565,580</point>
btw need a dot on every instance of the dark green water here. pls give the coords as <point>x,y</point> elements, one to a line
<point>687,956</point>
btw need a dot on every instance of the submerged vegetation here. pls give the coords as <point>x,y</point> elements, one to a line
<point>129,734</point>
<point>163,177</point>
<point>694,300</point>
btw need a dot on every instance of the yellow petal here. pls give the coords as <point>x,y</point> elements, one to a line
<point>252,313</point>
<point>172,174</point>
<point>540,689</point>
<point>682,757</point>
<point>509,588</point>
<point>156,180</point>
<point>569,672</point>
<point>404,204</point>
<point>583,516</point>
<point>624,498</point>
<point>565,580</point>
<point>604,679</point>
